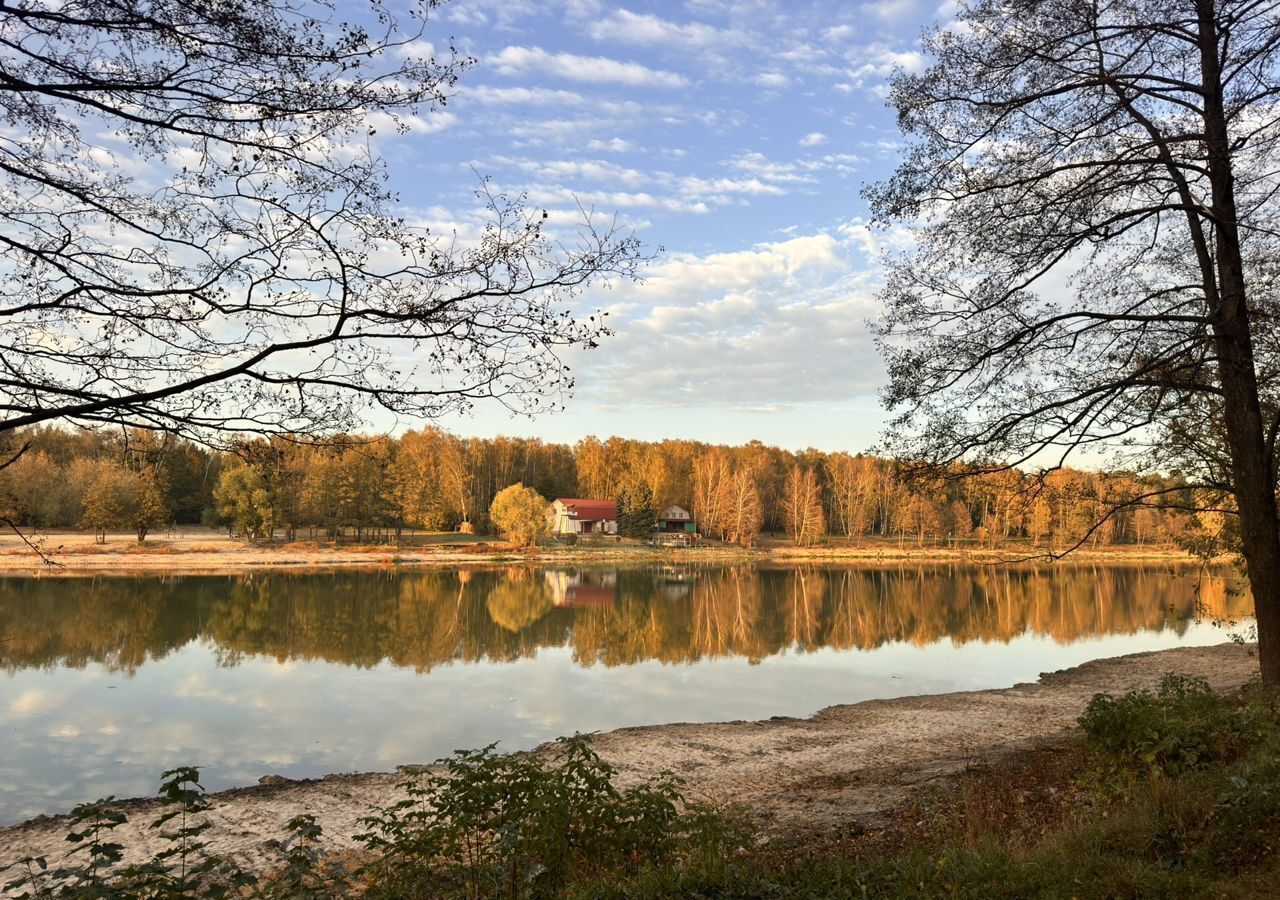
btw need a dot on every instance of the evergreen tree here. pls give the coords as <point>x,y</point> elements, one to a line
<point>635,510</point>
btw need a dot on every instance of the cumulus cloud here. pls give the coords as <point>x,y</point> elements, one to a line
<point>813,139</point>
<point>646,29</point>
<point>875,63</point>
<point>613,145</point>
<point>601,182</point>
<point>520,96</point>
<point>891,12</point>
<point>549,194</point>
<point>583,170</point>
<point>773,81</point>
<point>502,14</point>
<point>385,123</point>
<point>592,69</point>
<point>779,325</point>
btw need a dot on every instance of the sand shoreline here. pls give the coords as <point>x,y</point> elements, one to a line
<point>845,766</point>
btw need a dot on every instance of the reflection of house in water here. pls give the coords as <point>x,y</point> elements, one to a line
<point>577,589</point>
<point>675,582</point>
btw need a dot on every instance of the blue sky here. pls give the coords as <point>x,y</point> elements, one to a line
<point>735,136</point>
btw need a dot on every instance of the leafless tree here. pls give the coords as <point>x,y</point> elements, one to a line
<point>197,234</point>
<point>1093,193</point>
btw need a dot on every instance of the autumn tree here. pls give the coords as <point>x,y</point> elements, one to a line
<point>802,517</point>
<point>243,499</point>
<point>38,491</point>
<point>520,514</point>
<point>145,508</point>
<point>416,480</point>
<point>101,504</point>
<point>743,510</point>
<point>198,234</point>
<point>712,477</point>
<point>116,497</point>
<point>852,481</point>
<point>1094,259</point>
<point>957,521</point>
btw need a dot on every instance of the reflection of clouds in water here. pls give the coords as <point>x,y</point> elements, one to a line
<point>33,703</point>
<point>197,686</point>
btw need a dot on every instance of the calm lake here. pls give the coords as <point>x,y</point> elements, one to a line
<point>107,682</point>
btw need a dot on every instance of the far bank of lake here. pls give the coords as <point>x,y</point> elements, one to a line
<point>202,551</point>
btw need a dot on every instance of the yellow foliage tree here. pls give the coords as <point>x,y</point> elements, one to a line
<point>520,514</point>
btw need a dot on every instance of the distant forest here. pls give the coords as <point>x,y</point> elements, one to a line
<point>372,489</point>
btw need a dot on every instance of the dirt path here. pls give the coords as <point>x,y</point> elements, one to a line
<point>845,765</point>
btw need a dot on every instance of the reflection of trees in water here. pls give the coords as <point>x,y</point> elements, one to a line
<point>424,619</point>
<point>519,600</point>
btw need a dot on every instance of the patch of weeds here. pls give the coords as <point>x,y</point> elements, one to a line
<point>92,868</point>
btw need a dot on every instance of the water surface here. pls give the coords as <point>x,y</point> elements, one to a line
<point>106,682</point>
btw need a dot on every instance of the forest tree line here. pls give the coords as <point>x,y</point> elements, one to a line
<point>371,489</point>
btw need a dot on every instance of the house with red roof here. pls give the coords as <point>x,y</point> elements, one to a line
<point>576,515</point>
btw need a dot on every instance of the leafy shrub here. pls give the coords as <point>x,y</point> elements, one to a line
<point>495,825</point>
<point>1183,727</point>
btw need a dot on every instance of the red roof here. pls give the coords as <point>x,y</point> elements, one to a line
<point>590,510</point>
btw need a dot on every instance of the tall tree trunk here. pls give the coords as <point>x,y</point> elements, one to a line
<point>1251,470</point>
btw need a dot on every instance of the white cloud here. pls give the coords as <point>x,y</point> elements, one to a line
<point>606,199</point>
<point>772,80</point>
<point>416,49</point>
<point>593,69</point>
<point>646,29</point>
<point>582,9</point>
<point>875,64</point>
<point>585,170</point>
<point>779,325</point>
<point>614,145</point>
<point>813,139</point>
<point>717,187</point>
<point>502,14</point>
<point>386,124</point>
<point>520,96</point>
<point>892,12</point>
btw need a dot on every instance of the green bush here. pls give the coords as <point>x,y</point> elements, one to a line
<point>1182,727</point>
<point>495,825</point>
<point>1244,827</point>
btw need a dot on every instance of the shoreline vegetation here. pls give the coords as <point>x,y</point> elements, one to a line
<point>202,551</point>
<point>886,792</point>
